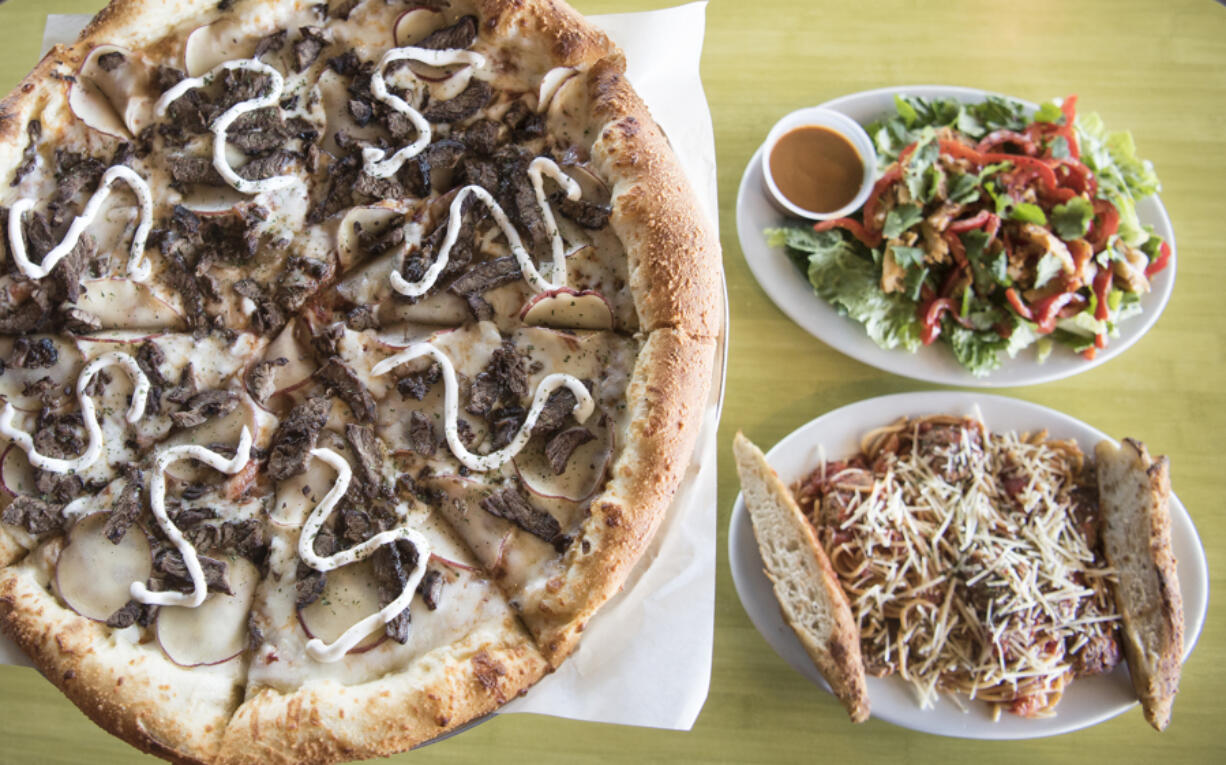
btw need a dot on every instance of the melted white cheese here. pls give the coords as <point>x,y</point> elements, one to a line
<point>376,161</point>
<point>222,124</point>
<point>138,269</point>
<point>584,405</point>
<point>536,169</point>
<point>316,648</point>
<point>94,449</point>
<point>157,503</point>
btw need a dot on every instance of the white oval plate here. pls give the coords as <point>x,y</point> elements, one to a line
<point>790,290</point>
<point>1086,702</point>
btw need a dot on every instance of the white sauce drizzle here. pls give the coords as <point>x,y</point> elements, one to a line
<point>551,83</point>
<point>376,162</point>
<point>157,503</point>
<point>584,405</point>
<point>222,123</point>
<point>93,450</point>
<point>330,652</point>
<point>538,167</point>
<point>138,269</point>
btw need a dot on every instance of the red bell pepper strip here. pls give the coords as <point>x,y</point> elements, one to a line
<point>956,248</point>
<point>1075,175</point>
<point>1047,310</point>
<point>852,226</point>
<point>1047,132</point>
<point>872,205</point>
<point>1102,289</point>
<point>1160,262</point>
<point>976,221</point>
<point>1069,107</point>
<point>998,138</point>
<point>1106,223</point>
<point>1020,307</point>
<point>930,318</point>
<point>1047,176</point>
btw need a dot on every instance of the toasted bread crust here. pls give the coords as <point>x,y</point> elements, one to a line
<point>803,579</point>
<point>1134,497</point>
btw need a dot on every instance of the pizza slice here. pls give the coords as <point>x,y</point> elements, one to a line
<point>534,446</point>
<point>139,609</point>
<point>374,621</point>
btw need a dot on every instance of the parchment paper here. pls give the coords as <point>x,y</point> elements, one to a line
<point>645,659</point>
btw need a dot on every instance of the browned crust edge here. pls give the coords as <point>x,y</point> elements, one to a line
<point>667,396</point>
<point>132,692</point>
<point>544,26</point>
<point>130,23</point>
<point>328,722</point>
<point>676,270</point>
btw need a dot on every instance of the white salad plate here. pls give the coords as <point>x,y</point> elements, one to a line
<point>790,289</point>
<point>1087,701</point>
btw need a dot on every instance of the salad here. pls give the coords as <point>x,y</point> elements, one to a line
<point>991,230</point>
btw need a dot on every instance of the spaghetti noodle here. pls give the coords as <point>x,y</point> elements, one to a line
<point>970,559</point>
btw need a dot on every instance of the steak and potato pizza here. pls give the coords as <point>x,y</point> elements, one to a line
<point>354,352</point>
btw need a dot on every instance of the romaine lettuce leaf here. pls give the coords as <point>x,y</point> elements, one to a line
<point>849,280</point>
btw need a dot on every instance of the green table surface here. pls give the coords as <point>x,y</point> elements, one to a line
<point>1158,68</point>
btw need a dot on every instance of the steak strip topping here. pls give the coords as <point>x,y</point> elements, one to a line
<point>376,162</point>
<point>138,268</point>
<point>539,167</point>
<point>157,503</point>
<point>316,648</point>
<point>584,405</point>
<point>93,450</point>
<point>220,125</point>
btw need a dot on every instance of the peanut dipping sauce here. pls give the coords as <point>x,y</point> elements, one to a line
<point>816,168</point>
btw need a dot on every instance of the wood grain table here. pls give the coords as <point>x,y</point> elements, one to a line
<point>1158,68</point>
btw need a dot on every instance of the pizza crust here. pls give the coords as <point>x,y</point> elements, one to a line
<point>548,34</point>
<point>673,253</point>
<point>328,722</point>
<point>131,691</point>
<point>666,396</point>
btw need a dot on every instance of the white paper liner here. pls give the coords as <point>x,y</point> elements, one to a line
<point>645,659</point>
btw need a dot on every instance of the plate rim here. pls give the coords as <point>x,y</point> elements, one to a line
<point>792,294</point>
<point>745,562</point>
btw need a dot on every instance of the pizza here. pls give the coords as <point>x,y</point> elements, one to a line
<point>353,354</point>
